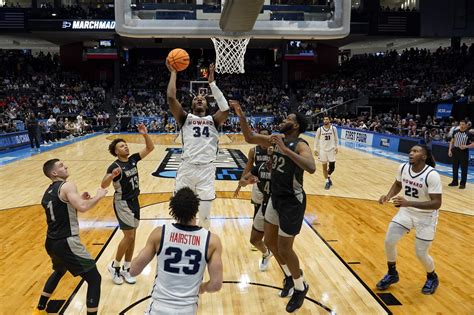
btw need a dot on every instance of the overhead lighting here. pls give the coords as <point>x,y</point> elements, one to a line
<point>53,14</point>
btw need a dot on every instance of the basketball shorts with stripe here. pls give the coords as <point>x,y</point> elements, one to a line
<point>424,223</point>
<point>69,254</point>
<point>287,212</point>
<point>127,213</point>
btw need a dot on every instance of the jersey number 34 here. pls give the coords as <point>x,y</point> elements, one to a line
<point>198,132</point>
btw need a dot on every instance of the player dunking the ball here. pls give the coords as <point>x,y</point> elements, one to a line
<point>285,210</point>
<point>182,250</point>
<point>421,186</point>
<point>200,139</point>
<point>61,201</point>
<point>124,175</point>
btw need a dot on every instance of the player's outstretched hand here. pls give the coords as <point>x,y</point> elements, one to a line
<point>170,68</point>
<point>336,150</point>
<point>85,195</point>
<point>116,172</point>
<point>212,69</point>
<point>383,199</point>
<point>236,107</point>
<point>101,192</point>
<point>142,129</point>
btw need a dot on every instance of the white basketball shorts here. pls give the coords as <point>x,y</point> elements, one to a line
<point>200,178</point>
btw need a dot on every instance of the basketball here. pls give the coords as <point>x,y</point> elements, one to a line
<point>178,59</point>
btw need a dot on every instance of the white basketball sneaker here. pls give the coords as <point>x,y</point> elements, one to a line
<point>125,273</point>
<point>265,261</point>
<point>115,273</point>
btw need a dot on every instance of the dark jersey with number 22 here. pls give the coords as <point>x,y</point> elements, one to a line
<point>287,177</point>
<point>126,184</point>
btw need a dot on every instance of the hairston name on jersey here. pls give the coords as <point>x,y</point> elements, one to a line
<point>230,164</point>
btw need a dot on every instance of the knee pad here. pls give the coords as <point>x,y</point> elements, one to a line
<point>332,167</point>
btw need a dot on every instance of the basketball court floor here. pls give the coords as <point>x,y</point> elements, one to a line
<point>341,245</point>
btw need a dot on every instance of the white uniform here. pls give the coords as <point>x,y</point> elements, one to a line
<point>181,263</point>
<point>417,187</point>
<point>200,140</point>
<point>325,143</point>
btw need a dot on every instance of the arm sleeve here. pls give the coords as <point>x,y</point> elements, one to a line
<point>434,183</point>
<point>219,97</point>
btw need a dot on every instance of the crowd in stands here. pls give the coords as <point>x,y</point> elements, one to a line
<point>62,103</point>
<point>429,129</point>
<point>39,85</point>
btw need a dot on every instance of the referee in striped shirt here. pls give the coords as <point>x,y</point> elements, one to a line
<point>459,150</point>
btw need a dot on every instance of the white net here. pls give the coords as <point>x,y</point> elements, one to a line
<point>230,53</point>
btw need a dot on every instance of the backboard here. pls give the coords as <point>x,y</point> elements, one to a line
<point>202,19</point>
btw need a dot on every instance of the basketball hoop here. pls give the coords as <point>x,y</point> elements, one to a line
<point>230,53</point>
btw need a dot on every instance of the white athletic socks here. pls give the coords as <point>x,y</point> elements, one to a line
<point>116,264</point>
<point>286,270</point>
<point>299,283</point>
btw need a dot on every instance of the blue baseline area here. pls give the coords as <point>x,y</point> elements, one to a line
<point>24,152</point>
<point>442,168</point>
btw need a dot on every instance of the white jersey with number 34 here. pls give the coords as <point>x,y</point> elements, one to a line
<point>200,139</point>
<point>419,186</point>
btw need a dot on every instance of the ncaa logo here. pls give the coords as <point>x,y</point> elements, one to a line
<point>66,24</point>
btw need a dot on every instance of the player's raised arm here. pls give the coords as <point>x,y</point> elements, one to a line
<point>148,142</point>
<point>221,115</point>
<point>249,135</point>
<point>82,203</point>
<point>175,106</point>
<point>214,266</point>
<point>147,253</point>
